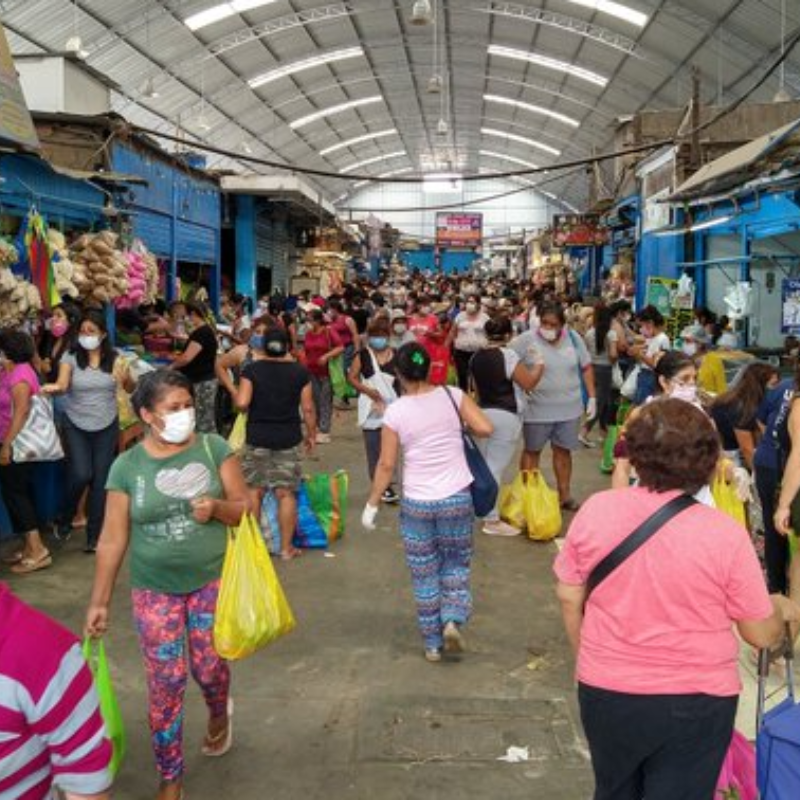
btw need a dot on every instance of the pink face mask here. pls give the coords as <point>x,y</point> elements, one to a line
<point>58,328</point>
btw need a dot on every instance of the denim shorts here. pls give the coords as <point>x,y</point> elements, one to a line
<point>562,434</point>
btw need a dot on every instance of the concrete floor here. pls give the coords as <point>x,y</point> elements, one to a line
<point>346,707</point>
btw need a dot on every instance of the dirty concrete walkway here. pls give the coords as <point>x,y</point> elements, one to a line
<point>346,707</point>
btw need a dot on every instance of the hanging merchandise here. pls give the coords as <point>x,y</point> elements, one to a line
<point>101,270</point>
<point>137,281</point>
<point>63,268</point>
<point>739,300</point>
<point>34,264</point>
<point>19,299</point>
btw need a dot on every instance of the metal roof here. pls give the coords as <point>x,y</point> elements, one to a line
<point>563,71</point>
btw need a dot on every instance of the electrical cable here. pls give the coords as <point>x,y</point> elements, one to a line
<point>571,166</point>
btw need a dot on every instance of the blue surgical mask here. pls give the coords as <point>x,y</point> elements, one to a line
<point>378,342</point>
<point>257,341</point>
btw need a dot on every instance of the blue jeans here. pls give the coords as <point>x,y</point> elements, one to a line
<point>90,455</point>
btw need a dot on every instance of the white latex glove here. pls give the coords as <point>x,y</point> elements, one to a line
<point>744,484</point>
<point>368,516</point>
<point>591,409</point>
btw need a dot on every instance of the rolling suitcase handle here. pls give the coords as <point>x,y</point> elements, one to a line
<point>764,658</point>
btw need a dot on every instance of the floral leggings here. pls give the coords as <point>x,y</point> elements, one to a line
<point>163,621</point>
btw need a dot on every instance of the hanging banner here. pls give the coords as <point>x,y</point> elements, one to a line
<point>459,230</point>
<point>578,230</point>
<point>790,316</point>
<point>16,124</point>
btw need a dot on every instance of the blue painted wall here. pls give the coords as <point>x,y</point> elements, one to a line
<point>64,201</point>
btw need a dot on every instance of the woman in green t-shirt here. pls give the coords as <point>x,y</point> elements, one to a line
<point>170,498</point>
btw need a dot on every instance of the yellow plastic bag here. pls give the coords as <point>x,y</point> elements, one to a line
<point>252,610</point>
<point>238,433</point>
<point>725,497</point>
<point>511,504</point>
<point>542,509</point>
<point>528,503</point>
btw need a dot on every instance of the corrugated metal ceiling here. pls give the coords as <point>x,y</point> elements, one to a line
<point>204,73</point>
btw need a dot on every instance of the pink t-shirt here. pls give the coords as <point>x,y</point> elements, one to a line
<point>662,622</point>
<point>8,380</point>
<point>434,465</point>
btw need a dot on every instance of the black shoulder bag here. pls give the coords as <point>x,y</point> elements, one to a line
<point>630,544</point>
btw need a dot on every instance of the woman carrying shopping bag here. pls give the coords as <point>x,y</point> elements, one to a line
<point>436,514</point>
<point>373,374</point>
<point>170,499</point>
<point>501,379</point>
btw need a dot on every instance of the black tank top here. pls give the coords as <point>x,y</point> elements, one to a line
<point>495,390</point>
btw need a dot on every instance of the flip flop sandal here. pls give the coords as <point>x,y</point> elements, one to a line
<point>290,556</point>
<point>14,558</point>
<point>219,745</point>
<point>570,505</point>
<point>27,565</point>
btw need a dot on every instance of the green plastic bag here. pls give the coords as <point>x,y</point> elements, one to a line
<point>607,462</point>
<point>94,652</point>
<point>341,388</point>
<point>327,495</point>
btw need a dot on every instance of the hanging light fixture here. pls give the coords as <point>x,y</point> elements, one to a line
<point>442,128</point>
<point>421,13</point>
<point>435,84</point>
<point>245,148</point>
<point>74,44</point>
<point>150,90</point>
<point>782,96</point>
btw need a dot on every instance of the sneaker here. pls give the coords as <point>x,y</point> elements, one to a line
<point>323,438</point>
<point>500,528</point>
<point>390,496</point>
<point>587,442</point>
<point>433,654</point>
<point>453,640</point>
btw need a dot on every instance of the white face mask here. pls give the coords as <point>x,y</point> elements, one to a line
<point>400,329</point>
<point>548,334</point>
<point>690,349</point>
<point>178,426</point>
<point>471,308</point>
<point>684,391</point>
<point>89,342</point>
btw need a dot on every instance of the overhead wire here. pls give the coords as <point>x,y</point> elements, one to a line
<point>570,167</point>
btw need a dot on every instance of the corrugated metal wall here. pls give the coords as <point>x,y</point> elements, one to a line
<point>273,245</point>
<point>172,191</point>
<point>64,201</point>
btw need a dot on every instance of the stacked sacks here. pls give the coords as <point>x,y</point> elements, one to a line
<point>101,270</point>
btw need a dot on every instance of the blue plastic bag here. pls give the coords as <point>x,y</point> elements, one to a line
<point>310,531</point>
<point>778,752</point>
<point>270,526</point>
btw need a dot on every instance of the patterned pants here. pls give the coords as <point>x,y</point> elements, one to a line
<point>323,401</point>
<point>438,542</point>
<point>163,622</point>
<point>205,403</point>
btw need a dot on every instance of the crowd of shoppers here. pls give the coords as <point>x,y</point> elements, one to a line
<point>521,369</point>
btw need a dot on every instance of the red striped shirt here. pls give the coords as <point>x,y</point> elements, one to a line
<point>51,732</point>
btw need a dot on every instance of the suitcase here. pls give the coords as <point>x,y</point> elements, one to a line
<point>778,734</point>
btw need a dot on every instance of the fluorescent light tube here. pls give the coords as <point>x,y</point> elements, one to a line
<point>507,101</point>
<point>521,139</point>
<point>329,112</point>
<point>358,140</point>
<point>512,159</point>
<point>374,160</point>
<point>306,63</point>
<point>548,63</point>
<point>222,11</point>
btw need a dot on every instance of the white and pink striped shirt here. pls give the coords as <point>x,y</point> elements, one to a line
<point>51,732</point>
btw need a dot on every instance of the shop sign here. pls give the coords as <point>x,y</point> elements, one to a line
<point>459,230</point>
<point>16,124</point>
<point>790,316</point>
<point>578,230</point>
